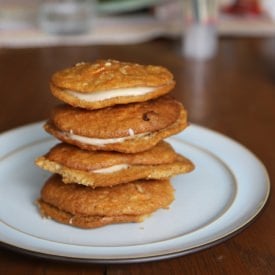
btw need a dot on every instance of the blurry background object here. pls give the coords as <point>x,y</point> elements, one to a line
<point>123,6</point>
<point>67,16</point>
<point>269,7</point>
<point>16,14</point>
<point>244,7</point>
<point>200,28</point>
<point>119,22</point>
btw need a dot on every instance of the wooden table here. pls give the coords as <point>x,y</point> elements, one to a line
<point>234,94</point>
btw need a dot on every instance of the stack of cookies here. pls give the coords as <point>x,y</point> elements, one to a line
<point>112,165</point>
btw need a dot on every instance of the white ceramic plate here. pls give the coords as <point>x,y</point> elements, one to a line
<point>223,194</point>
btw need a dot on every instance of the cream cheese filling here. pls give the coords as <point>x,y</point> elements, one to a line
<point>111,169</point>
<point>102,95</point>
<point>102,141</point>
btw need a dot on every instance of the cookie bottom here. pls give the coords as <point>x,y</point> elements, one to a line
<point>85,222</point>
<point>76,102</point>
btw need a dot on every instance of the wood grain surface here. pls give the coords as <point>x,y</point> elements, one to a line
<point>234,93</point>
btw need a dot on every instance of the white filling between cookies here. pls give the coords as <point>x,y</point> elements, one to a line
<point>111,169</point>
<point>102,141</point>
<point>102,95</point>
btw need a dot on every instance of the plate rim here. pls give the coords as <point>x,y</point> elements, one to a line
<point>152,256</point>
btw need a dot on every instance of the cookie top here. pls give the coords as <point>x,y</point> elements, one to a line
<point>110,74</point>
<point>110,82</point>
<point>135,198</point>
<point>117,121</point>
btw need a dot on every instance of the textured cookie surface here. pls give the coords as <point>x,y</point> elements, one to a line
<point>136,199</point>
<point>116,121</point>
<point>99,168</point>
<point>109,82</point>
<point>125,128</point>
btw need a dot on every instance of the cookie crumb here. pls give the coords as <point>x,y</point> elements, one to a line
<point>123,70</point>
<point>139,189</point>
<point>79,64</point>
<point>131,132</point>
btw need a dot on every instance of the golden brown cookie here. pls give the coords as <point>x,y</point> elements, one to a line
<point>127,128</point>
<point>99,168</point>
<point>88,208</point>
<point>110,82</point>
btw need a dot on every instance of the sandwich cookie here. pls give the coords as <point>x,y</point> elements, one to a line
<point>110,82</point>
<point>84,207</point>
<point>99,168</point>
<point>127,128</point>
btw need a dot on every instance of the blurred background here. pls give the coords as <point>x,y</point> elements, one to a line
<point>36,23</point>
